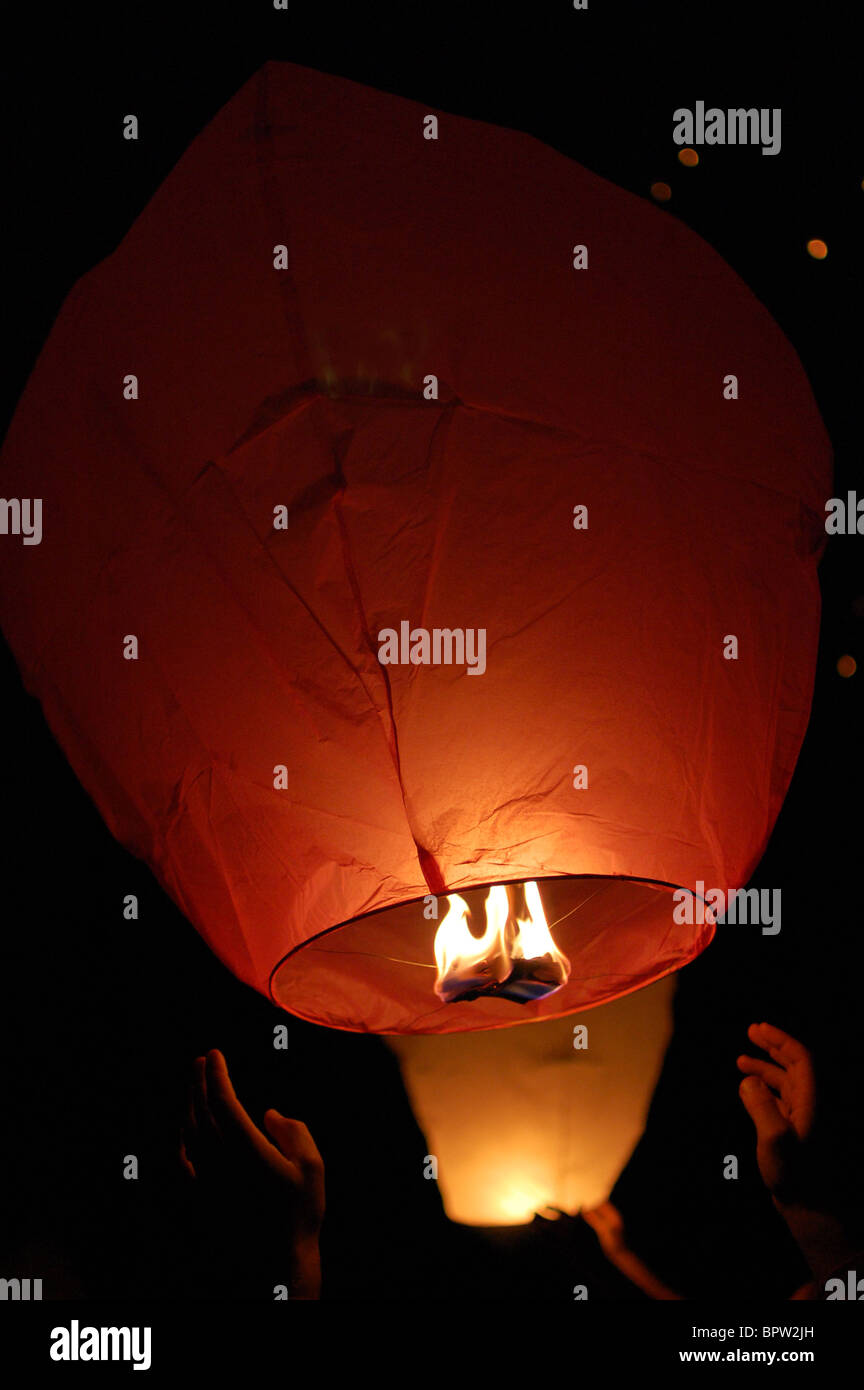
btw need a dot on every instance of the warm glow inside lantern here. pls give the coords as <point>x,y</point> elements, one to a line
<point>523,1119</point>
<point>392,552</point>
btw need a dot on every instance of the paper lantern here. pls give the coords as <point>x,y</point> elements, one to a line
<point>522,1119</point>
<point>408,453</point>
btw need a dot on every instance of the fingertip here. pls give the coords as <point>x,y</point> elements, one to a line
<point>283,1121</point>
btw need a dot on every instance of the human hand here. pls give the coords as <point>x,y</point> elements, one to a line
<point>780,1098</point>
<point>255,1181</point>
<point>607,1224</point>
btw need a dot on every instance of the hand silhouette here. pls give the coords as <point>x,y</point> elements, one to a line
<point>269,1185</point>
<point>780,1098</point>
<point>607,1224</point>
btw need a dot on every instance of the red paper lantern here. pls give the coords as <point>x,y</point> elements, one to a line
<point>302,380</point>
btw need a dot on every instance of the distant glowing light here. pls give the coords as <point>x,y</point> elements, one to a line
<point>689,158</point>
<point>847,666</point>
<point>661,191</point>
<point>818,250</point>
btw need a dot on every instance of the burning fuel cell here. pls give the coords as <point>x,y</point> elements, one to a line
<point>514,958</point>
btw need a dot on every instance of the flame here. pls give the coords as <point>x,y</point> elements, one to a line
<point>515,957</point>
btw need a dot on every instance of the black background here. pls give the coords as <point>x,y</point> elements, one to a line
<point>101,1017</point>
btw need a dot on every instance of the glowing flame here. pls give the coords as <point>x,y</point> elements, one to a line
<point>516,956</point>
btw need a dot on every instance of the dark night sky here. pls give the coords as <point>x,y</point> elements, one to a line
<point>100,1017</point>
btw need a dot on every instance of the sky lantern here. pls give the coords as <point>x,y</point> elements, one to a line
<point>425,580</point>
<point>542,1119</point>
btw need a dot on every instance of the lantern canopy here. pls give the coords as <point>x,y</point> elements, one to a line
<point>392,545</point>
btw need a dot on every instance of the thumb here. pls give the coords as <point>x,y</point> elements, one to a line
<point>761,1106</point>
<point>292,1138</point>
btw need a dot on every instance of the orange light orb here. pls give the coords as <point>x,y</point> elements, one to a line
<point>661,191</point>
<point>689,158</point>
<point>847,666</point>
<point>818,250</point>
